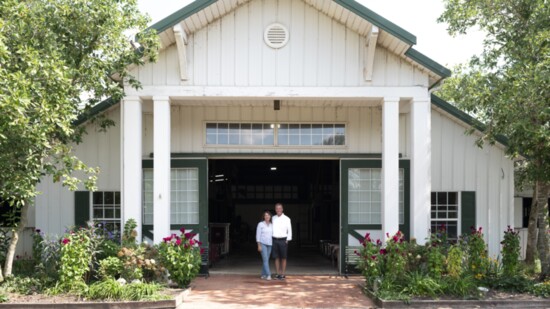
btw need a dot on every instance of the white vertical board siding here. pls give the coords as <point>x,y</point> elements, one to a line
<point>320,52</point>
<point>459,165</point>
<point>363,126</point>
<point>55,206</point>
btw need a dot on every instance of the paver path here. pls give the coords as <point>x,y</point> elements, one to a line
<point>240,291</point>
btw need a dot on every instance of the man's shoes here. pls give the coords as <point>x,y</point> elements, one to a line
<point>268,278</point>
<point>263,277</point>
<point>280,277</point>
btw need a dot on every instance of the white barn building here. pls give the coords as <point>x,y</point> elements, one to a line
<point>322,105</point>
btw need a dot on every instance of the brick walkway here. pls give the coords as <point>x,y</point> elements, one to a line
<point>239,291</point>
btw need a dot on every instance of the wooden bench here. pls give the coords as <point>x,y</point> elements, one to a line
<point>351,258</point>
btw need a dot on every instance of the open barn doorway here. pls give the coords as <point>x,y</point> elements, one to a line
<point>241,189</point>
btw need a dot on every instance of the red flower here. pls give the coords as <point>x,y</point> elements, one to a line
<point>189,235</point>
<point>373,257</point>
<point>395,238</point>
<point>167,239</point>
<point>199,243</point>
<point>202,250</point>
<point>387,235</point>
<point>182,230</point>
<point>357,253</point>
<point>178,242</point>
<point>383,251</point>
<point>191,242</point>
<point>378,242</point>
<point>66,241</point>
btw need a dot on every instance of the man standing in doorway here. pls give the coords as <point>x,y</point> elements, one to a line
<point>282,234</point>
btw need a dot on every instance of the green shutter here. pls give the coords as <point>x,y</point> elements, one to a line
<point>81,207</point>
<point>468,213</point>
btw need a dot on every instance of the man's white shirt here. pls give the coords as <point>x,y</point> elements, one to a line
<point>282,227</point>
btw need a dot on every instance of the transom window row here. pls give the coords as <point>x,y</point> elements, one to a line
<point>288,134</point>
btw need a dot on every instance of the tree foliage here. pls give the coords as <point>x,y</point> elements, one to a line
<point>508,85</point>
<point>51,53</point>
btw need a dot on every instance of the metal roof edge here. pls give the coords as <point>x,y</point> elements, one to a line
<point>428,63</point>
<point>378,20</point>
<point>464,117</point>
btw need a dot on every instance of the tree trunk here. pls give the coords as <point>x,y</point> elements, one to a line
<point>530,252</point>
<point>14,238</point>
<point>543,246</point>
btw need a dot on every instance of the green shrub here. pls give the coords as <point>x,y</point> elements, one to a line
<point>110,267</point>
<point>108,289</point>
<point>393,257</point>
<point>4,298</point>
<point>141,291</point>
<point>460,286</point>
<point>541,289</point>
<point>455,261</point>
<point>510,252</point>
<point>181,257</point>
<point>368,264</point>
<point>129,234</point>
<point>477,254</point>
<point>76,258</point>
<point>436,261</point>
<point>422,285</point>
<point>23,285</point>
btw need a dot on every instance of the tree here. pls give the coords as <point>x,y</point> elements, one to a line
<point>51,53</point>
<point>508,87</point>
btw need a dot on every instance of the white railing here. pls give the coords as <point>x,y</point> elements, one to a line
<point>522,240</point>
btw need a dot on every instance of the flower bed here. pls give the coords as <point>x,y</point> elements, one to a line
<point>441,269</point>
<point>94,264</point>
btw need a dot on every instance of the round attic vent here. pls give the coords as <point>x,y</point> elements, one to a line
<point>276,35</point>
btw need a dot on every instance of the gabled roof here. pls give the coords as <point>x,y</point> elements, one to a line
<point>200,13</point>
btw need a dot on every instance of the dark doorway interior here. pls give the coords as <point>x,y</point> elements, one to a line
<point>239,191</point>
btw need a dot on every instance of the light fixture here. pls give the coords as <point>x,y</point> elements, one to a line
<point>273,168</point>
<point>218,176</point>
<point>277,105</point>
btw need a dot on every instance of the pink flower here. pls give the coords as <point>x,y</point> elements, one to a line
<point>182,230</point>
<point>395,238</point>
<point>66,241</point>
<point>178,242</point>
<point>199,243</point>
<point>167,239</point>
<point>383,251</point>
<point>191,242</point>
<point>173,236</point>
<point>189,235</point>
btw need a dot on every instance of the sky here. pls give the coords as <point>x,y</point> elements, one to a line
<point>418,17</point>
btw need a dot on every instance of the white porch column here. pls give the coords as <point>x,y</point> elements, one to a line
<point>390,165</point>
<point>161,163</point>
<point>421,183</point>
<point>131,161</point>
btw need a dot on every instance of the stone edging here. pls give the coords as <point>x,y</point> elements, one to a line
<point>455,303</point>
<point>160,304</point>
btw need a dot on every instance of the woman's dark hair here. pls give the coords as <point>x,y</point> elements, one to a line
<point>267,212</point>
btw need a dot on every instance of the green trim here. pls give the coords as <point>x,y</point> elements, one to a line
<point>378,20</point>
<point>467,211</point>
<point>356,235</point>
<point>464,117</point>
<point>181,14</point>
<point>365,227</point>
<point>95,110</point>
<point>81,208</point>
<point>202,165</point>
<point>428,63</point>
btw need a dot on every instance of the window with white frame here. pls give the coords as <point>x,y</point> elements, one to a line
<point>106,209</point>
<point>184,196</point>
<point>239,133</point>
<point>444,213</point>
<point>310,134</point>
<point>365,196</point>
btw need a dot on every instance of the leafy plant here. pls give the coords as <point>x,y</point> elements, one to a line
<point>181,256</point>
<point>541,289</point>
<point>110,267</point>
<point>422,285</point>
<point>108,289</point>
<point>368,263</point>
<point>477,253</point>
<point>75,258</point>
<point>455,261</point>
<point>460,286</point>
<point>510,252</point>
<point>129,234</point>
<point>394,257</point>
<point>22,285</point>
<point>3,298</point>
<point>141,291</point>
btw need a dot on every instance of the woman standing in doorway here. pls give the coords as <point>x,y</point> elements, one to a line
<point>264,234</point>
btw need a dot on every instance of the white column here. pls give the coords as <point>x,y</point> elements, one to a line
<point>421,181</point>
<point>390,165</point>
<point>131,161</point>
<point>161,163</point>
